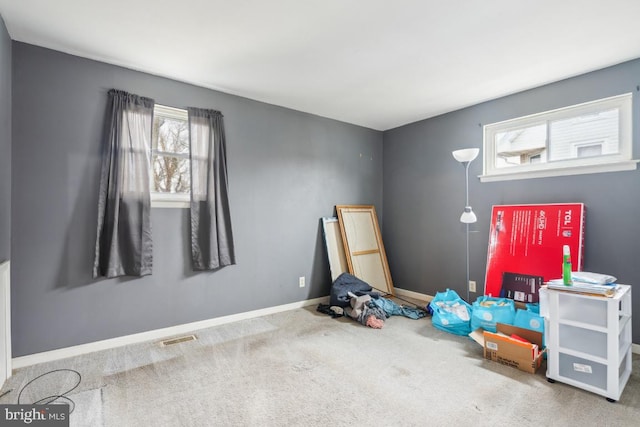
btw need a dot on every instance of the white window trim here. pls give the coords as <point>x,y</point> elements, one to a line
<point>585,165</point>
<point>172,112</point>
<point>170,200</point>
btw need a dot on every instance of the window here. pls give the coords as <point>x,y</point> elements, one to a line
<point>170,170</point>
<point>588,150</point>
<point>586,138</point>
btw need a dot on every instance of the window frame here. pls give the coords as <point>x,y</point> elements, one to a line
<point>622,161</point>
<point>168,200</point>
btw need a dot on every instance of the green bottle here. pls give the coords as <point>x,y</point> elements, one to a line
<point>566,266</point>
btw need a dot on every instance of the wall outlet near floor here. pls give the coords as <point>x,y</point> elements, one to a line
<point>472,285</point>
<point>301,281</point>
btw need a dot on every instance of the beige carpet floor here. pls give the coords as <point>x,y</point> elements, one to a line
<point>303,368</point>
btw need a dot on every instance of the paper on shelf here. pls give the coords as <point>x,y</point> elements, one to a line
<point>607,290</point>
<point>592,278</point>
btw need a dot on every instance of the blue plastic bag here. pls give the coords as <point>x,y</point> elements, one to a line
<point>487,311</point>
<point>533,307</point>
<point>450,313</point>
<point>528,320</point>
<point>448,295</point>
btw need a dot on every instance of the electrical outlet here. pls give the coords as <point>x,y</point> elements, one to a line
<point>301,281</point>
<point>472,285</point>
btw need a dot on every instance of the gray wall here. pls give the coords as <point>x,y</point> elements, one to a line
<point>424,191</point>
<point>286,170</point>
<point>5,143</point>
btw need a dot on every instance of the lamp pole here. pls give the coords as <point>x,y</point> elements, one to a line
<point>466,175</point>
<point>466,156</point>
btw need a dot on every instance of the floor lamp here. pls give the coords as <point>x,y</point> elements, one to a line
<point>466,156</point>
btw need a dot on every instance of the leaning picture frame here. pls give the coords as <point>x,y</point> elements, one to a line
<point>364,251</point>
<point>335,248</point>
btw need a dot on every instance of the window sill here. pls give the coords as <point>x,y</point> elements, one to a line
<point>163,200</point>
<point>172,204</point>
<point>626,165</point>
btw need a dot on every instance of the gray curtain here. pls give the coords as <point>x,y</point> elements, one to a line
<point>123,243</point>
<point>211,237</point>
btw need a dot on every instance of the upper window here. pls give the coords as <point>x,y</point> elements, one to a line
<point>170,170</point>
<point>586,138</point>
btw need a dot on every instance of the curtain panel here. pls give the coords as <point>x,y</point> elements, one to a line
<point>211,237</point>
<point>123,243</point>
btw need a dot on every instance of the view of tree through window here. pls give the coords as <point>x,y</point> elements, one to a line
<point>170,158</point>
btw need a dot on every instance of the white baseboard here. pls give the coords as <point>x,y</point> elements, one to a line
<point>635,348</point>
<point>411,294</point>
<point>156,334</point>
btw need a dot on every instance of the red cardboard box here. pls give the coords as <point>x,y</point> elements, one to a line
<point>528,239</point>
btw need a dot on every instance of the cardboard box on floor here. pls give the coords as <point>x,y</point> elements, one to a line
<point>510,351</point>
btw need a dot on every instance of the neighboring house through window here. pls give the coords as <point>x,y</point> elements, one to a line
<point>585,138</point>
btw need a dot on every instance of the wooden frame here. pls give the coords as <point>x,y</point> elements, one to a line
<point>335,248</point>
<point>363,246</point>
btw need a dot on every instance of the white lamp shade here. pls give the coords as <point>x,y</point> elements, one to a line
<point>466,154</point>
<point>468,216</point>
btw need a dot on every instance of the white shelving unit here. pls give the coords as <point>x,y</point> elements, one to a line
<point>589,340</point>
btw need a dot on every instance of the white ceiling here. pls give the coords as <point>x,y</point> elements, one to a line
<point>375,63</point>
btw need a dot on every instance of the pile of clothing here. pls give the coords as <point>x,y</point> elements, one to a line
<point>364,310</point>
<point>356,299</point>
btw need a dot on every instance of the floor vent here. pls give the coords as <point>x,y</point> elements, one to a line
<point>178,340</point>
